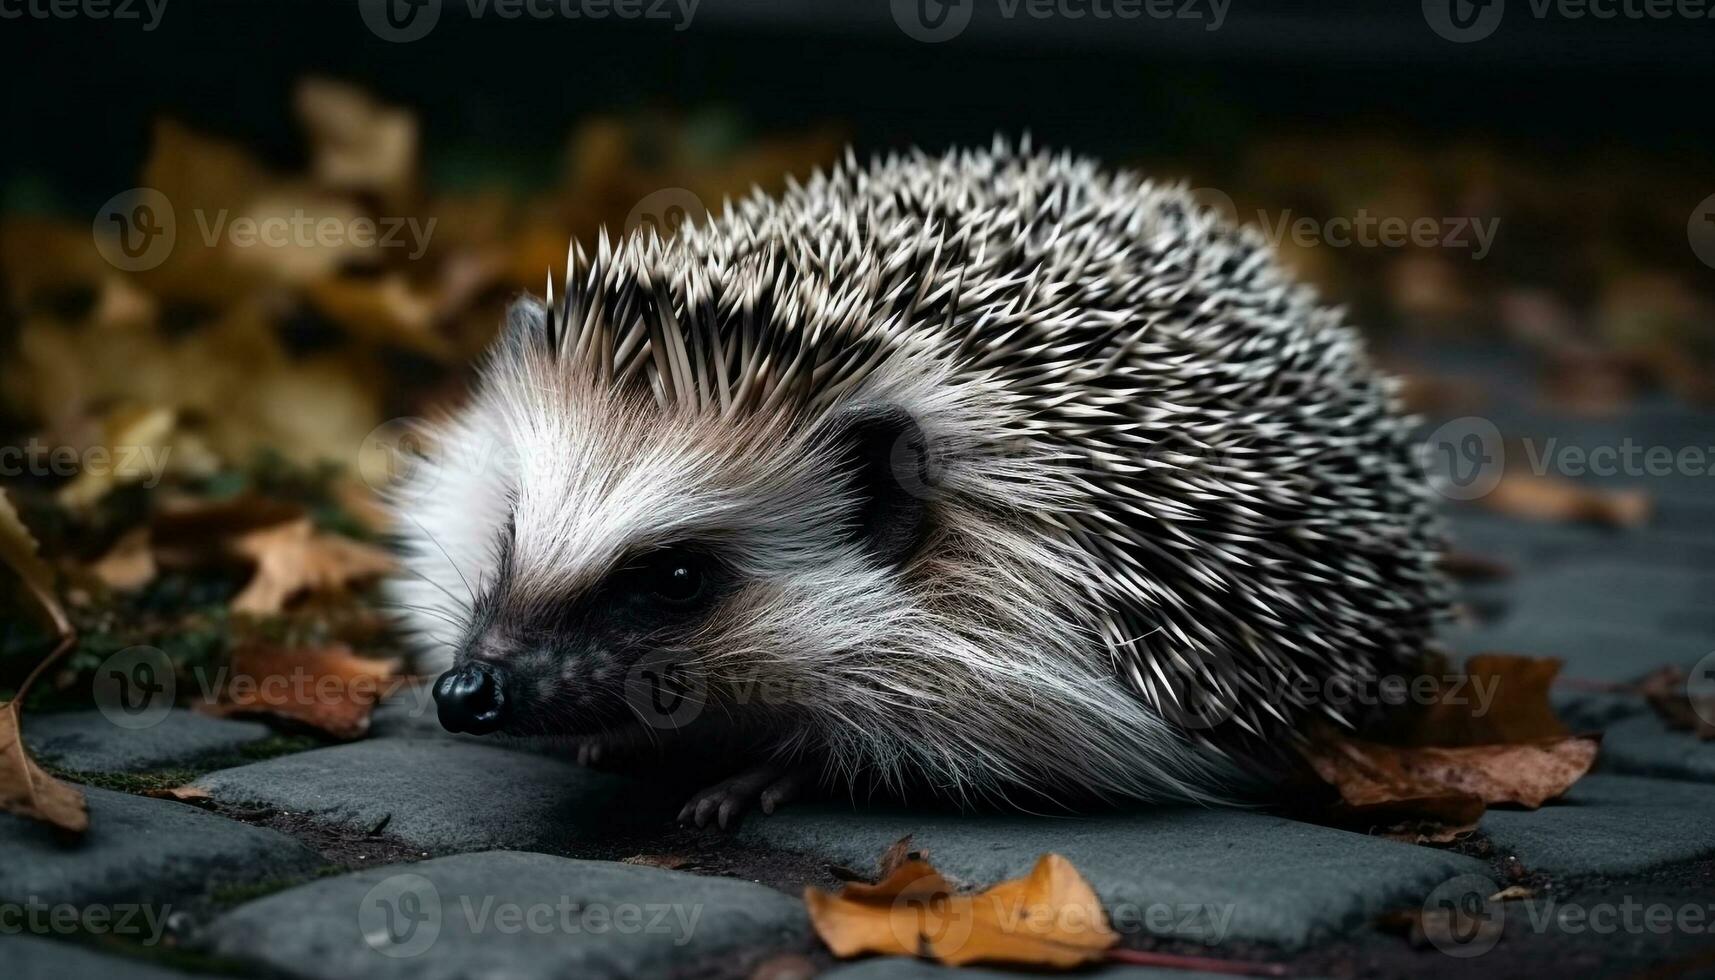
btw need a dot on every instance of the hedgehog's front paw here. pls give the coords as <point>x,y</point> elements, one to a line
<point>769,786</point>
<point>621,749</point>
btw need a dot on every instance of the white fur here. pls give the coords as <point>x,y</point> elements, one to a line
<point>1157,462</point>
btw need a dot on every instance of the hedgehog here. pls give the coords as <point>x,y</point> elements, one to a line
<point>995,476</point>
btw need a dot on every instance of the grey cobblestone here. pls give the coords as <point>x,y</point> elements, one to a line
<point>1642,745</point>
<point>1610,825</point>
<point>513,915</point>
<point>34,958</point>
<point>140,850</point>
<point>1228,874</point>
<point>444,795</point>
<point>86,741</point>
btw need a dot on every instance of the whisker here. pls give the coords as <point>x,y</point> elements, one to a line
<point>437,543</point>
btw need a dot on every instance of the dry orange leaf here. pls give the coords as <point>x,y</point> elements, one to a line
<point>294,558</point>
<point>137,440</point>
<point>1501,697</point>
<point>20,552</point>
<point>1672,699</point>
<point>1468,566</point>
<point>28,791</point>
<point>289,555</point>
<point>129,564</point>
<point>1049,919</point>
<point>1551,498</point>
<point>357,143</point>
<point>184,794</point>
<point>25,789</point>
<point>1489,736</point>
<point>1450,784</point>
<point>329,689</point>
<point>186,530</point>
<point>388,310</point>
<point>1527,774</point>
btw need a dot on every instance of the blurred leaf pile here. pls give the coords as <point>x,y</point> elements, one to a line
<point>1591,266</point>
<point>230,386</point>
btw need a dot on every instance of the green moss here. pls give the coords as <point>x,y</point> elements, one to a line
<point>228,896</point>
<point>276,745</point>
<point>130,782</point>
<point>165,956</point>
<point>155,780</point>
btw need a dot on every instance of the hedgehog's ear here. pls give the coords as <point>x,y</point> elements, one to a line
<point>528,326</point>
<point>884,453</point>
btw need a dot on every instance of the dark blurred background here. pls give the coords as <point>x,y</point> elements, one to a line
<point>501,94</point>
<point>1574,131</point>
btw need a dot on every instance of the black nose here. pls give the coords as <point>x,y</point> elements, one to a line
<point>472,699</point>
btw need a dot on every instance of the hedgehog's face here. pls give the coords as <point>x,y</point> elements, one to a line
<point>656,567</point>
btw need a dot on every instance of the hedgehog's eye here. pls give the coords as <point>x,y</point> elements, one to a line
<point>672,574</point>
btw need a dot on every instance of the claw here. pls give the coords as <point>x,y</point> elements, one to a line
<point>782,791</point>
<point>704,807</point>
<point>767,786</point>
<point>621,748</point>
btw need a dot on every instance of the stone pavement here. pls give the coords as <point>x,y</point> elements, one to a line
<point>414,854</point>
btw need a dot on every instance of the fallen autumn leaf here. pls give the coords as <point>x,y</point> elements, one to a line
<point>331,689</point>
<point>1049,919</point>
<point>295,558</point>
<point>25,789</point>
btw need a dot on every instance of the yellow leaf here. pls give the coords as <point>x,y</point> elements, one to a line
<point>24,788</point>
<point>136,443</point>
<point>1049,919</point>
<point>294,558</point>
<point>358,144</point>
<point>28,791</point>
<point>129,564</point>
<point>330,689</point>
<point>20,552</point>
